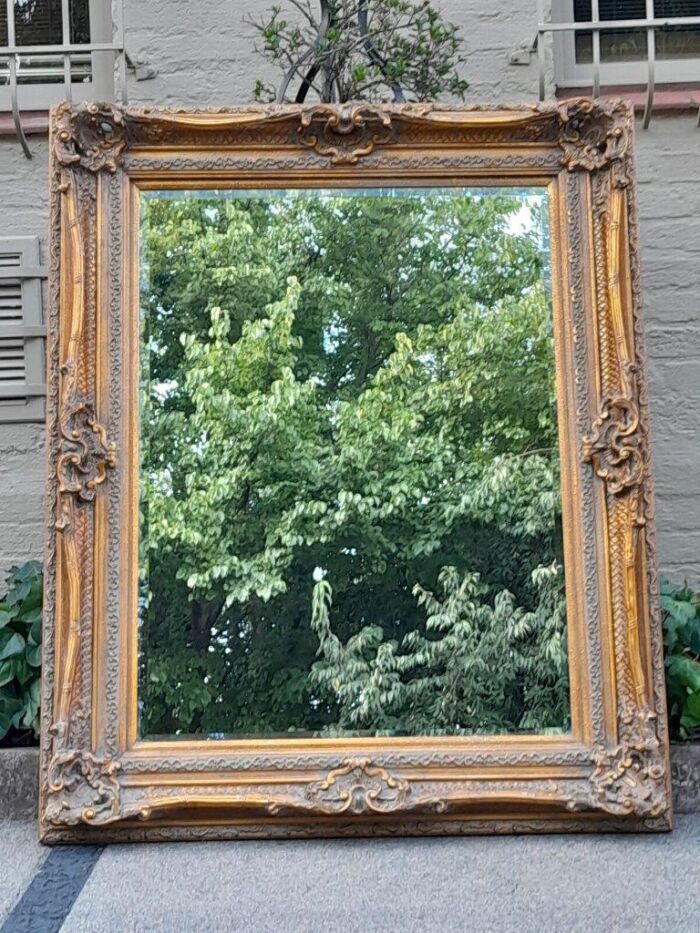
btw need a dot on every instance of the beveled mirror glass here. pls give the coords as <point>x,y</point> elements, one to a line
<point>350,512</point>
<point>351,507</point>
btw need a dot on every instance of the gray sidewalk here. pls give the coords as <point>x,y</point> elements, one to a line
<point>543,884</point>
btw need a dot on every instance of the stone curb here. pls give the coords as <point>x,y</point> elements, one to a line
<point>19,781</point>
<point>685,778</point>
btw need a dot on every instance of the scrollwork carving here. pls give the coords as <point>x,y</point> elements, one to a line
<point>629,778</point>
<point>594,135</point>
<point>358,787</point>
<point>82,788</point>
<point>93,136</point>
<point>345,133</point>
<point>614,445</point>
<point>85,456</point>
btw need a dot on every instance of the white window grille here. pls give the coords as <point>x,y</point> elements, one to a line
<point>54,50</point>
<point>622,43</point>
<point>22,330</point>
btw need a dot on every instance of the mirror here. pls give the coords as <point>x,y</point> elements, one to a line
<point>350,497</point>
<point>350,512</point>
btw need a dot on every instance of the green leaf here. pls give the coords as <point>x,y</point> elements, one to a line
<point>9,708</point>
<point>34,637</point>
<point>32,702</point>
<point>359,73</point>
<point>12,646</point>
<point>33,655</point>
<point>18,594</point>
<point>30,616</point>
<point>685,671</point>
<point>692,711</point>
<point>680,610</point>
<point>24,673</point>
<point>5,722</point>
<point>7,672</point>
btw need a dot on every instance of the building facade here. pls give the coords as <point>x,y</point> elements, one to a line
<point>201,55</point>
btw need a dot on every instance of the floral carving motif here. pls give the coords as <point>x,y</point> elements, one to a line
<point>82,788</point>
<point>595,134</point>
<point>629,778</point>
<point>345,133</point>
<point>358,787</point>
<point>614,445</point>
<point>85,455</point>
<point>93,136</point>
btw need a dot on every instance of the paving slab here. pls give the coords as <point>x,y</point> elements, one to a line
<point>21,857</point>
<point>645,884</point>
<point>19,783</point>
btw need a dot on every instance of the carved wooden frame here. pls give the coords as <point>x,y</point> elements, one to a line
<point>98,781</point>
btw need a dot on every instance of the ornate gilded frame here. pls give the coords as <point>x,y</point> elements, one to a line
<point>98,781</point>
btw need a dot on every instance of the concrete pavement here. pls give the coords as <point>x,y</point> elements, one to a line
<point>645,884</point>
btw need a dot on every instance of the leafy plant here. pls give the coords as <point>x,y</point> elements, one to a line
<point>20,653</point>
<point>682,639</point>
<point>361,50</point>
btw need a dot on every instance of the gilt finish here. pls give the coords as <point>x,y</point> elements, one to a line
<point>98,781</point>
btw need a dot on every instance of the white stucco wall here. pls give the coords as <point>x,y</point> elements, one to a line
<point>203,55</point>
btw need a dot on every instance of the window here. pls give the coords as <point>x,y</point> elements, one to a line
<point>625,51</point>
<point>33,51</point>
<point>22,388</point>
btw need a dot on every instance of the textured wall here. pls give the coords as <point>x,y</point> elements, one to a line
<point>203,56</point>
<point>668,159</point>
<point>24,200</point>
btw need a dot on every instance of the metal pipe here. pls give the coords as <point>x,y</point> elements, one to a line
<point>310,75</point>
<point>327,79</point>
<point>373,54</point>
<point>66,37</point>
<point>120,49</point>
<point>12,66</point>
<point>651,64</point>
<point>595,16</point>
<point>541,61</point>
<point>289,77</point>
<point>619,24</point>
<point>12,49</point>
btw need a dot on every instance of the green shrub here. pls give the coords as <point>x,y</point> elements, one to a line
<point>20,654</point>
<point>407,43</point>
<point>682,639</point>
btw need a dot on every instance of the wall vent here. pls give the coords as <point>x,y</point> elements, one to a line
<point>22,331</point>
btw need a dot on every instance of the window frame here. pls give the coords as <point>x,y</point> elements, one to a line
<point>570,74</point>
<point>43,96</point>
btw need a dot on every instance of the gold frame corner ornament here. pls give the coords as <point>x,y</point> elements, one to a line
<point>98,782</point>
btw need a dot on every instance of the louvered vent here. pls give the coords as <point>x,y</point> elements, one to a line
<point>21,331</point>
<point>12,368</point>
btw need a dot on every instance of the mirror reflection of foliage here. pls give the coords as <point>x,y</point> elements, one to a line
<point>359,388</point>
<point>473,668</point>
